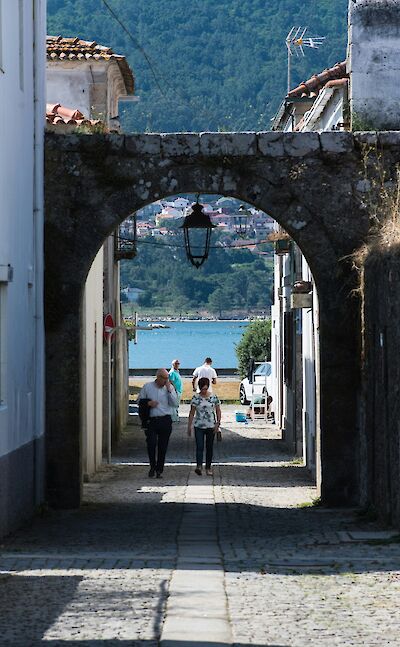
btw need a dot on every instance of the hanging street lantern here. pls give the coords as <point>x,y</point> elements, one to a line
<point>242,219</point>
<point>197,220</point>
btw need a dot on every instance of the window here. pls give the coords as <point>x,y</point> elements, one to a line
<point>264,369</point>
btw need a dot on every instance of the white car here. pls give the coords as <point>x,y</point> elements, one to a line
<point>262,381</point>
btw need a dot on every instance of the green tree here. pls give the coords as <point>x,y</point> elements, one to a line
<point>255,343</point>
<point>218,301</point>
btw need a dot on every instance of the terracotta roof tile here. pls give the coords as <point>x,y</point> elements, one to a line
<point>312,87</point>
<point>56,114</point>
<point>52,107</point>
<point>61,49</point>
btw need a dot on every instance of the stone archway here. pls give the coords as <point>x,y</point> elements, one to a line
<point>310,183</point>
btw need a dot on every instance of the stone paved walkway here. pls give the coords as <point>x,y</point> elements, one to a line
<point>232,559</point>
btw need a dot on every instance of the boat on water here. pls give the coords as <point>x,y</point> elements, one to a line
<point>153,326</point>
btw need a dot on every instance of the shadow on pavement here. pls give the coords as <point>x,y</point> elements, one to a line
<point>30,605</point>
<point>144,534</point>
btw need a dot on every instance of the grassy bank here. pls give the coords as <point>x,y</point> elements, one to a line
<point>227,389</point>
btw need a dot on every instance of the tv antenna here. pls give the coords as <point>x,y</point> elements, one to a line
<point>296,41</point>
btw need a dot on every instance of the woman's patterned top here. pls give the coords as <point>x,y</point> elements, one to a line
<point>205,410</point>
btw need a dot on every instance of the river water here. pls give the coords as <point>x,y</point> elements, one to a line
<point>188,341</point>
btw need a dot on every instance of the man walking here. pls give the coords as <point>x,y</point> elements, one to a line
<point>161,396</point>
<point>205,370</point>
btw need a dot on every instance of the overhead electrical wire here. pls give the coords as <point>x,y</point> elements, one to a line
<point>137,45</point>
<point>172,245</point>
<point>152,68</point>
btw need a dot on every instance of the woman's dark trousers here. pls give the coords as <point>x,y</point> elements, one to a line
<point>200,434</point>
<point>157,437</point>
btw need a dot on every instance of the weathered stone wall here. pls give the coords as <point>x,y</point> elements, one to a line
<point>381,380</point>
<point>374,63</point>
<point>312,184</point>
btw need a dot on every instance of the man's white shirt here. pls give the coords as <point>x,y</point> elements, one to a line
<point>166,399</point>
<point>205,370</point>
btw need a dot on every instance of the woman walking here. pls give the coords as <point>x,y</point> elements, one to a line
<point>207,409</point>
<point>176,381</point>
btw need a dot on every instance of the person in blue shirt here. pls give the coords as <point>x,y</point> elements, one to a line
<point>176,381</point>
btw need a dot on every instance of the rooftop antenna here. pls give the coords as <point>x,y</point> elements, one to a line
<point>296,40</point>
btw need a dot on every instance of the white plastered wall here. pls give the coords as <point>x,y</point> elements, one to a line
<point>21,223</point>
<point>310,333</point>
<point>92,366</point>
<point>93,87</point>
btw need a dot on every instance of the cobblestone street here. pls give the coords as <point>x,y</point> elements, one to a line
<point>239,558</point>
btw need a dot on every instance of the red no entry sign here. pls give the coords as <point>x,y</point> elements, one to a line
<point>108,326</point>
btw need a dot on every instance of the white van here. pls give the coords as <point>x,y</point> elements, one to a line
<point>260,383</point>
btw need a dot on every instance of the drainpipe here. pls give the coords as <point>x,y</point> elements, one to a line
<point>38,17</point>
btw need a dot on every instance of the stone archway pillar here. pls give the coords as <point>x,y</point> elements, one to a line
<point>63,442</point>
<point>339,365</point>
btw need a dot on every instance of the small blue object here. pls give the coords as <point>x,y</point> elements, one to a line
<point>240,416</point>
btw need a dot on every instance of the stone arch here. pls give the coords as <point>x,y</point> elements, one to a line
<point>309,183</point>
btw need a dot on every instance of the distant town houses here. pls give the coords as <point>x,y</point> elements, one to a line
<point>179,203</point>
<point>144,228</point>
<point>164,217</point>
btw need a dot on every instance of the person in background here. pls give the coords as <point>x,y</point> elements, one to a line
<point>207,409</point>
<point>161,397</point>
<point>176,381</point>
<point>206,370</point>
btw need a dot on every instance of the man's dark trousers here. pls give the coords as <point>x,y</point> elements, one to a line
<point>157,437</point>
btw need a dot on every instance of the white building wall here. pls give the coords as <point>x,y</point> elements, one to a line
<point>283,395</point>
<point>69,84</point>
<point>327,111</point>
<point>310,333</point>
<point>277,343</point>
<point>288,390</point>
<point>92,367</point>
<point>276,361</point>
<point>92,87</point>
<point>22,63</point>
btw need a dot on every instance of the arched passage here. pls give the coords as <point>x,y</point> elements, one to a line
<point>309,183</point>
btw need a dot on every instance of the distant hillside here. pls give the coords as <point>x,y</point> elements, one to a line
<point>231,280</point>
<point>220,64</point>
